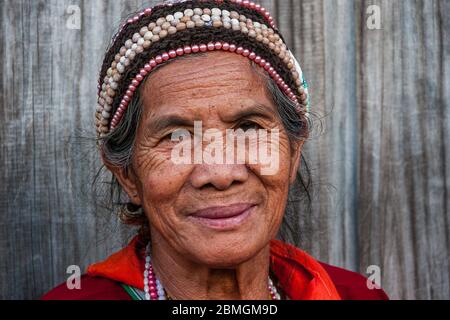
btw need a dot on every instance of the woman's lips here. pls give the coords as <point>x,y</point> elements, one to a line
<point>223,217</point>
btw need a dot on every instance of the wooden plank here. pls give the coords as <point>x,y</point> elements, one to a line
<point>403,199</point>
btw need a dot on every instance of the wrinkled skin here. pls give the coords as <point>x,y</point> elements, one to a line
<point>192,260</point>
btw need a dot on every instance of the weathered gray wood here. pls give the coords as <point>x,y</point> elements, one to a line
<point>380,164</point>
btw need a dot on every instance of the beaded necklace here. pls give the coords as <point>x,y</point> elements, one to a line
<point>154,290</point>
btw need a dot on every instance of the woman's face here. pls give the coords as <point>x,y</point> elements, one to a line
<point>218,215</point>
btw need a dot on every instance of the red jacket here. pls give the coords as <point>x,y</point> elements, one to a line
<point>300,276</point>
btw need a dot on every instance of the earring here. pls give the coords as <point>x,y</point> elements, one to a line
<point>130,213</point>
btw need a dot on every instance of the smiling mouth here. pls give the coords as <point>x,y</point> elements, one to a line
<point>223,218</point>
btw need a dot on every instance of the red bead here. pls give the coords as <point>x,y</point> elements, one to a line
<point>187,49</point>
<point>211,46</point>
<point>158,59</point>
<point>226,46</point>
<point>172,53</point>
<point>232,48</point>
<point>203,48</point>
<point>246,53</point>
<point>165,56</point>
<point>180,52</point>
<point>148,67</point>
<point>153,63</point>
<point>195,48</point>
<point>218,45</point>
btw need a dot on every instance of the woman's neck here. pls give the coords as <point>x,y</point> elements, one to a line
<point>184,279</point>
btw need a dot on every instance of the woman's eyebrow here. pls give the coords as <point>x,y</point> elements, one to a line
<point>256,110</point>
<point>168,121</point>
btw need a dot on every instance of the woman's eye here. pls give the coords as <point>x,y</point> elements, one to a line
<point>248,125</point>
<point>177,135</point>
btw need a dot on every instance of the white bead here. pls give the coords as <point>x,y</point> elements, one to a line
<point>216,12</point>
<point>198,11</point>
<point>147,296</point>
<point>156,30</point>
<point>127,54</point>
<point>122,61</point>
<point>178,15</point>
<point>188,12</point>
<point>139,50</point>
<point>215,18</point>
<point>225,13</point>
<point>170,18</point>
<point>134,46</point>
<point>234,22</point>
<point>106,115</point>
<point>136,37</point>
<point>148,35</point>
<point>140,42</point>
<point>206,18</point>
<point>128,44</point>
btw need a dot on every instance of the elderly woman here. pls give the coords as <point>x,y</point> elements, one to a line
<point>202,114</point>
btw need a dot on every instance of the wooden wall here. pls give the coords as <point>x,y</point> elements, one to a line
<point>380,162</point>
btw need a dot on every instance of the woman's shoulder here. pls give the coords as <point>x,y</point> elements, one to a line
<point>352,285</point>
<point>92,288</point>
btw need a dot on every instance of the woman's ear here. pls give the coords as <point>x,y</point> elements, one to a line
<point>127,180</point>
<point>295,160</point>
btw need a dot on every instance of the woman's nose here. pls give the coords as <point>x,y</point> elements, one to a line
<point>221,176</point>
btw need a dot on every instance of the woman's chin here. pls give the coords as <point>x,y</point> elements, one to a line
<point>227,252</point>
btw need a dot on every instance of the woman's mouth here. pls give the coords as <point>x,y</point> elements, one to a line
<point>223,218</point>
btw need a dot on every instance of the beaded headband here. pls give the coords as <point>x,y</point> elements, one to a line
<point>168,31</point>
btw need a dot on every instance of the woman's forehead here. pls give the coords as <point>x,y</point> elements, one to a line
<point>213,79</point>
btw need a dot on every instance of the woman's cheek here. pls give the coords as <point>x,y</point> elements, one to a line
<point>164,179</point>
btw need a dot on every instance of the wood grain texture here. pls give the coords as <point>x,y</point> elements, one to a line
<point>380,163</point>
